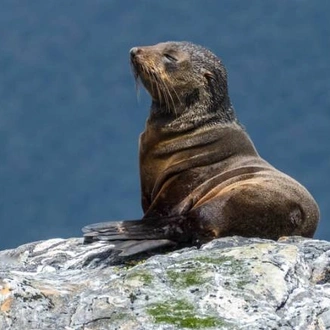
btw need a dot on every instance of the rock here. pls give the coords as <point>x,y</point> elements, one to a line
<point>229,283</point>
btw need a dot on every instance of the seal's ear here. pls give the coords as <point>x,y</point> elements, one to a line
<point>211,82</point>
<point>210,77</point>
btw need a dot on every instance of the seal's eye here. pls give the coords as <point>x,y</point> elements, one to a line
<point>170,58</point>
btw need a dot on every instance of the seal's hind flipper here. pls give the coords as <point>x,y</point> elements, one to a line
<point>113,230</point>
<point>133,247</point>
<point>163,228</point>
<point>138,236</point>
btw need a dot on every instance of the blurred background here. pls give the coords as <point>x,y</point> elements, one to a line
<point>70,118</point>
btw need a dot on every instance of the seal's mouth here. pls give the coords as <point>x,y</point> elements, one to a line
<point>142,74</point>
<point>140,69</point>
<point>151,74</point>
<point>143,69</point>
<point>134,63</point>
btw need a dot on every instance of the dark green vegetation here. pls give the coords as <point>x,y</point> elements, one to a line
<point>182,314</point>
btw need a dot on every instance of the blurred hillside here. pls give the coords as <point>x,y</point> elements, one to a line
<point>70,119</point>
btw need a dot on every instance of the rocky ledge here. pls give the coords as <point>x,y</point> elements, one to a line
<point>229,283</point>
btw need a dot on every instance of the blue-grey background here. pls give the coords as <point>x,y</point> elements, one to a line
<point>70,118</point>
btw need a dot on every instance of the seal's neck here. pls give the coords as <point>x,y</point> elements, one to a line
<point>191,115</point>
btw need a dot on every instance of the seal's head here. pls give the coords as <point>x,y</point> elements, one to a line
<point>182,75</point>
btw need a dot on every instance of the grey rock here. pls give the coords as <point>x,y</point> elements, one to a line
<point>229,283</point>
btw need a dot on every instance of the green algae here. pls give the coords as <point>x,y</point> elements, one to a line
<point>186,278</point>
<point>198,271</point>
<point>182,314</point>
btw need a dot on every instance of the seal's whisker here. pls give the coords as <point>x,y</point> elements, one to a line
<point>168,86</point>
<point>150,74</point>
<point>135,73</point>
<point>162,93</point>
<point>170,96</point>
<point>154,82</point>
<point>166,94</point>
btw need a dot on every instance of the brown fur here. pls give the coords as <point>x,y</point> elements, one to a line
<point>201,176</point>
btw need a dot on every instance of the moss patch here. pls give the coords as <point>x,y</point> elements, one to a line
<point>182,314</point>
<point>185,278</point>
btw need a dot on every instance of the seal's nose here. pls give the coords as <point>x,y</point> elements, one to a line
<point>134,51</point>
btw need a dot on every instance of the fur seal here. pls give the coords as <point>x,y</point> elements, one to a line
<point>201,176</point>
